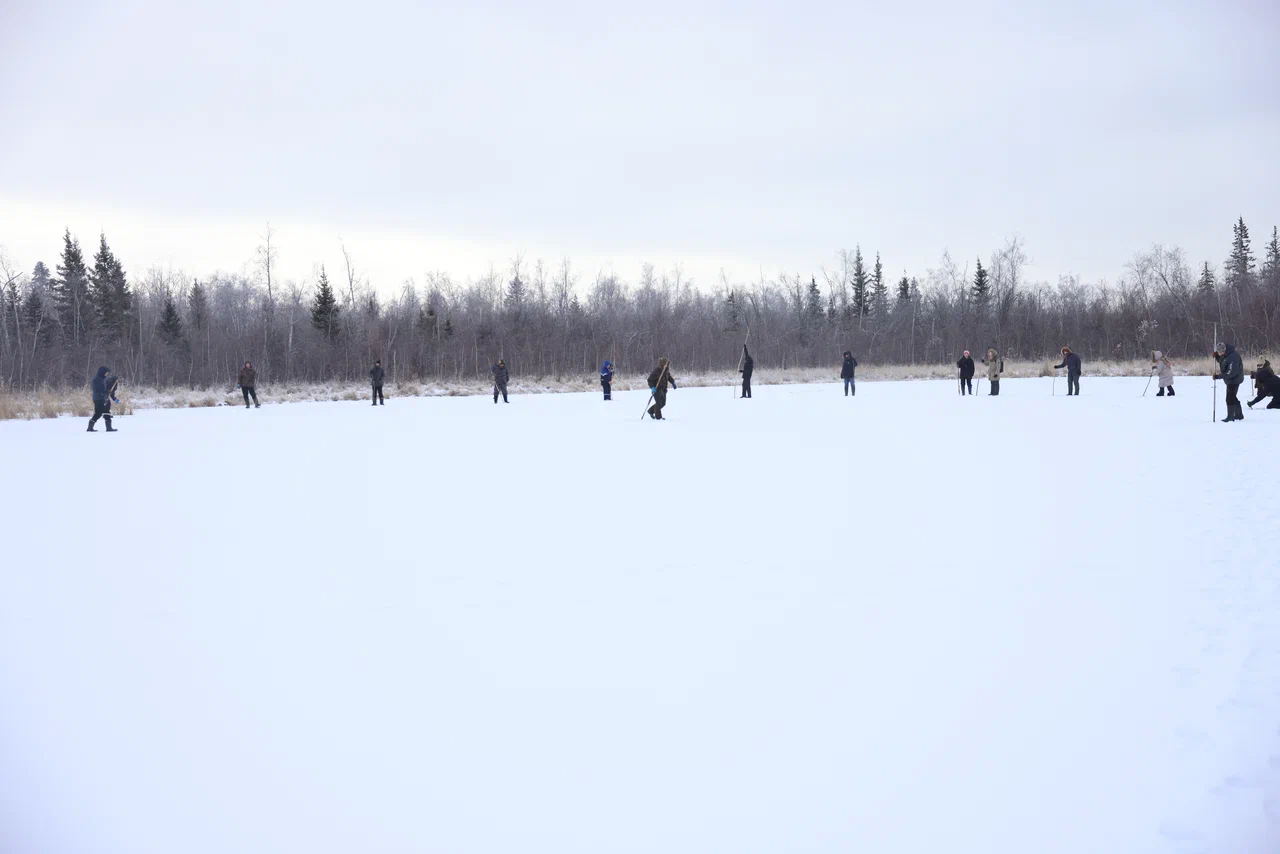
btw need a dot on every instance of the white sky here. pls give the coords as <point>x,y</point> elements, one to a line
<point>747,136</point>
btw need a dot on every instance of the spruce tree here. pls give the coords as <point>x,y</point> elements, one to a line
<point>860,303</point>
<point>198,303</point>
<point>1207,285</point>
<point>904,288</point>
<point>814,303</point>
<point>1240,265</point>
<point>71,290</point>
<point>35,319</point>
<point>110,292</point>
<point>879,290</point>
<point>170,327</point>
<point>325,309</point>
<point>1271,264</point>
<point>981,289</point>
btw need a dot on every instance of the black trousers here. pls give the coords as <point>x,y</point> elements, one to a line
<point>746,385</point>
<point>1073,383</point>
<point>966,385</point>
<point>1233,397</point>
<point>101,410</point>
<point>377,396</point>
<point>500,388</point>
<point>249,390</point>
<point>659,401</point>
<point>608,389</point>
<point>1274,404</point>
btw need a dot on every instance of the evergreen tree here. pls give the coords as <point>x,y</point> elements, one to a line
<point>325,309</point>
<point>981,289</point>
<point>71,290</point>
<point>110,292</point>
<point>1207,285</point>
<point>879,290</point>
<point>170,327</point>
<point>448,327</point>
<point>515,295</point>
<point>37,320</point>
<point>198,304</point>
<point>1271,265</point>
<point>731,306</point>
<point>1240,265</point>
<point>814,303</point>
<point>904,288</point>
<point>861,305</point>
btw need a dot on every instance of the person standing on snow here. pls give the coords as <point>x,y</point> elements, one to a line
<point>1266,384</point>
<point>245,379</point>
<point>966,373</point>
<point>748,365</point>
<point>1161,365</point>
<point>995,367</point>
<point>658,387</point>
<point>847,369</point>
<point>606,379</point>
<point>103,387</point>
<point>1071,362</point>
<point>1231,372</point>
<point>500,377</point>
<point>376,376</point>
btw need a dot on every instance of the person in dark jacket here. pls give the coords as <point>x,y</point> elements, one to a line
<point>846,373</point>
<point>606,379</point>
<point>748,365</point>
<point>246,378</point>
<point>1071,362</point>
<point>966,373</point>
<point>1231,372</point>
<point>376,376</point>
<point>500,377</point>
<point>658,387</point>
<point>1266,384</point>
<point>103,387</point>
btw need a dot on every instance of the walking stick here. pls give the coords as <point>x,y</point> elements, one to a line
<point>1148,385</point>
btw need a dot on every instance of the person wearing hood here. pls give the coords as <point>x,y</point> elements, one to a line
<point>500,377</point>
<point>103,387</point>
<point>1266,384</point>
<point>847,369</point>
<point>1161,365</point>
<point>658,381</point>
<point>1071,362</point>
<point>606,379</point>
<point>748,365</point>
<point>246,379</point>
<point>966,373</point>
<point>376,376</point>
<point>1231,372</point>
<point>995,367</point>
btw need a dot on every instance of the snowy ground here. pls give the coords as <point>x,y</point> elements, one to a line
<point>904,622</point>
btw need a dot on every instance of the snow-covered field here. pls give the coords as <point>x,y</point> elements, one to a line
<point>904,622</point>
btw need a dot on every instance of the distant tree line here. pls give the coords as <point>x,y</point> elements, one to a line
<point>166,328</point>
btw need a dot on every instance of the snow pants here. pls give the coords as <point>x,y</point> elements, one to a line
<point>608,389</point>
<point>746,385</point>
<point>659,401</point>
<point>995,388</point>
<point>377,396</point>
<point>101,410</point>
<point>500,389</point>
<point>247,390</point>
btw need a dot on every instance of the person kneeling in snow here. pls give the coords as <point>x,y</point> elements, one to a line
<point>1266,384</point>
<point>658,387</point>
<point>1160,364</point>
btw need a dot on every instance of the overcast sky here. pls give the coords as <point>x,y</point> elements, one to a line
<point>739,135</point>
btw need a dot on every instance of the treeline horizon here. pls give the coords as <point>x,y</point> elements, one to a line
<point>166,328</point>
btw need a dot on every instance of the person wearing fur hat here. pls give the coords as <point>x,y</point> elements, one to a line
<point>1231,372</point>
<point>1160,364</point>
<point>1266,384</point>
<point>1071,362</point>
<point>995,367</point>
<point>965,364</point>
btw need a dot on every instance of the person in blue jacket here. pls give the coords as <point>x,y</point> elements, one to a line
<point>103,387</point>
<point>606,379</point>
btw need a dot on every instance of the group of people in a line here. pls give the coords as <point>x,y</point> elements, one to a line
<point>1230,371</point>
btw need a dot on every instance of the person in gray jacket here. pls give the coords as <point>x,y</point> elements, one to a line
<point>1231,372</point>
<point>1162,366</point>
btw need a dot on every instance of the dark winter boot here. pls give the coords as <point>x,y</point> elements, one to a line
<point>1239,412</point>
<point>91,430</point>
<point>110,429</point>
<point>1170,391</point>
<point>1161,392</point>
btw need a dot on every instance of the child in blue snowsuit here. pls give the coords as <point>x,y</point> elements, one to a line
<point>606,379</point>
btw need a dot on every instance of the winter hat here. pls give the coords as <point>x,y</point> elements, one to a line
<point>377,361</point>
<point>966,352</point>
<point>103,371</point>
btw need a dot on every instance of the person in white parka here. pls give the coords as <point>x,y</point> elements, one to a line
<point>1165,368</point>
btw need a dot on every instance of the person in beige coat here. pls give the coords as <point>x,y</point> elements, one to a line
<point>1161,365</point>
<point>995,367</point>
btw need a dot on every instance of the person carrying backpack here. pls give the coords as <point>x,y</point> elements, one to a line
<point>606,379</point>
<point>847,369</point>
<point>375,377</point>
